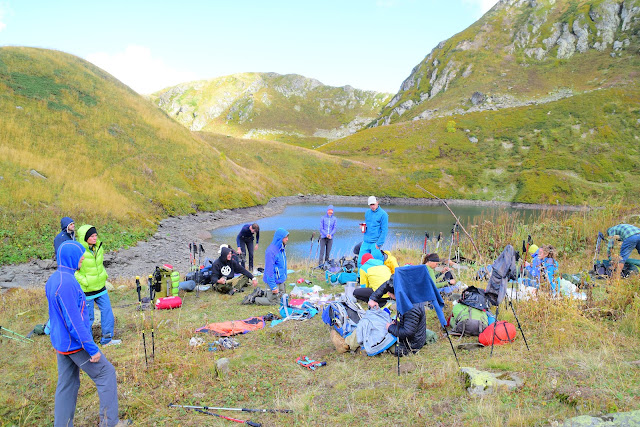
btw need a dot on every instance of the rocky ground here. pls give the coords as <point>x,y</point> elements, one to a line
<point>170,243</point>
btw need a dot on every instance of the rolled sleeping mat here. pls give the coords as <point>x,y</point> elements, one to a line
<point>187,285</point>
<point>175,283</point>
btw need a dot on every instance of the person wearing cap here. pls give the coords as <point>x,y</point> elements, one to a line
<point>71,338</point>
<point>68,233</point>
<point>244,240</point>
<point>376,227</point>
<point>223,273</point>
<point>328,225</point>
<point>275,268</point>
<point>441,279</point>
<point>410,328</point>
<point>373,273</point>
<point>92,277</point>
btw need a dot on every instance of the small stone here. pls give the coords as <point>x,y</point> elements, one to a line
<point>473,139</point>
<point>222,366</point>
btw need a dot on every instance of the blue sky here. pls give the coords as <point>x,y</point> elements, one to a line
<point>150,45</point>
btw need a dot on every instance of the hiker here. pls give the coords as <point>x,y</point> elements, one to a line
<point>71,338</point>
<point>373,273</point>
<point>440,278</point>
<point>68,233</point>
<point>630,236</point>
<point>275,268</point>
<point>543,263</point>
<point>375,233</point>
<point>390,261</point>
<point>244,240</point>
<point>327,230</point>
<point>223,273</point>
<point>410,328</point>
<point>92,277</point>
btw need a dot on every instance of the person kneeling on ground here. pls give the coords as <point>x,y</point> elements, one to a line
<point>223,273</point>
<point>373,273</point>
<point>275,268</point>
<point>410,328</point>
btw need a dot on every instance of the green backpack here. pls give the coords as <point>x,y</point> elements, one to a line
<point>467,320</point>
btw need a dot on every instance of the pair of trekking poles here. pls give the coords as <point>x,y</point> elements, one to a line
<point>152,291</point>
<point>205,410</point>
<point>196,249</point>
<point>8,333</point>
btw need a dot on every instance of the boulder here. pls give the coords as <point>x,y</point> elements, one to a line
<point>615,419</point>
<point>483,383</point>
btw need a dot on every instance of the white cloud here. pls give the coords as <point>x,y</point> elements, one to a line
<point>482,5</point>
<point>138,69</point>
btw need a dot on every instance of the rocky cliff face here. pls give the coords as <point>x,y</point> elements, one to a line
<point>264,105</point>
<point>525,34</point>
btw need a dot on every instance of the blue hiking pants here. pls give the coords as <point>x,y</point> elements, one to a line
<point>106,316</point>
<point>628,245</point>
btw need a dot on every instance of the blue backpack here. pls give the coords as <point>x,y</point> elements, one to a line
<point>343,315</point>
<point>341,277</point>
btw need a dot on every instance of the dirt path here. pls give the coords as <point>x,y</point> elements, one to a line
<point>170,243</point>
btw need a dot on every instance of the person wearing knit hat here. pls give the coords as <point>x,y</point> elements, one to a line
<point>375,229</point>
<point>92,277</point>
<point>68,232</point>
<point>328,225</point>
<point>373,273</point>
<point>441,278</point>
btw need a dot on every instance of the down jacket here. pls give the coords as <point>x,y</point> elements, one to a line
<point>92,276</point>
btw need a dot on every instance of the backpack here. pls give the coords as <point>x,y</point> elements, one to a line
<point>343,315</point>
<point>349,265</point>
<point>505,332</point>
<point>251,298</point>
<point>306,311</point>
<point>474,297</point>
<point>467,320</point>
<point>372,332</point>
<point>341,277</point>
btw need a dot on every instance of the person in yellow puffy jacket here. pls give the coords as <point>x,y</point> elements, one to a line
<point>390,261</point>
<point>92,277</point>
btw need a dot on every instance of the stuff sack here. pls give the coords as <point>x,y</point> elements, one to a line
<point>467,320</point>
<point>372,332</point>
<point>505,332</point>
<point>168,303</point>
<point>343,316</point>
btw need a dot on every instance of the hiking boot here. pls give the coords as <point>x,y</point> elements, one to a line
<point>112,342</point>
<point>123,423</point>
<point>232,291</point>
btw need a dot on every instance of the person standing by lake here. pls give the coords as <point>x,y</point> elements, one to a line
<point>328,224</point>
<point>244,240</point>
<point>68,232</point>
<point>375,233</point>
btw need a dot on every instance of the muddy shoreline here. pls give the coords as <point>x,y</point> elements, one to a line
<point>170,244</point>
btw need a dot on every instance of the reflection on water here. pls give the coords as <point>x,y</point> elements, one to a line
<point>407,226</point>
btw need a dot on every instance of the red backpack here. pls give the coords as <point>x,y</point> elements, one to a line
<point>505,332</point>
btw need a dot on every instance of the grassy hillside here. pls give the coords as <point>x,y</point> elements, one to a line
<point>584,149</point>
<point>286,108</point>
<point>523,52</point>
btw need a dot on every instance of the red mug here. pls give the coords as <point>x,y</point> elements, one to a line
<point>363,227</point>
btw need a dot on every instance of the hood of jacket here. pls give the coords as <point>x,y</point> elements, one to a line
<point>280,234</point>
<point>69,254</point>
<point>64,223</point>
<point>224,252</point>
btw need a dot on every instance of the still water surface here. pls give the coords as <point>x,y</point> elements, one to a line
<point>407,227</point>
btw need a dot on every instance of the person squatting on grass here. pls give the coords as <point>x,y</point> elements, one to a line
<point>441,279</point>
<point>410,328</point>
<point>328,224</point>
<point>93,279</point>
<point>68,233</point>
<point>71,338</point>
<point>630,236</point>
<point>223,273</point>
<point>244,240</point>
<point>376,220</point>
<point>373,274</point>
<point>275,268</point>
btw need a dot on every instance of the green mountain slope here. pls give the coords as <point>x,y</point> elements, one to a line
<point>524,52</point>
<point>77,142</point>
<point>287,108</point>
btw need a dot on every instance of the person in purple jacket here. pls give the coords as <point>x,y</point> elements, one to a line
<point>327,230</point>
<point>71,338</point>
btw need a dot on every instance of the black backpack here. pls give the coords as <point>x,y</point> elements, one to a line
<point>474,297</point>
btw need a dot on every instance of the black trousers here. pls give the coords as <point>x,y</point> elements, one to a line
<point>363,294</point>
<point>246,246</point>
<point>325,249</point>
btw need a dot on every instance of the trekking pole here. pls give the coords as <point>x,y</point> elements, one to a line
<point>214,408</point>
<point>318,247</point>
<point>495,323</point>
<point>144,341</point>
<point>518,322</point>
<point>451,344</point>
<point>424,246</point>
<point>598,240</point>
<point>8,333</point>
<point>195,270</point>
<point>453,230</point>
<point>311,248</point>
<point>251,423</point>
<point>153,338</point>
<point>438,243</point>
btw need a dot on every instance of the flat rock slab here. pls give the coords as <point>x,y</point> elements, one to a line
<point>616,419</point>
<point>483,383</point>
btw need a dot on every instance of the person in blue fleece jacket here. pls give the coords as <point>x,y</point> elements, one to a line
<point>71,338</point>
<point>377,222</point>
<point>275,268</point>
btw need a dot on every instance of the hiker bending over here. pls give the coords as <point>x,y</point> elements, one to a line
<point>630,236</point>
<point>376,225</point>
<point>373,273</point>
<point>244,240</point>
<point>71,338</point>
<point>68,233</point>
<point>223,273</point>
<point>410,328</point>
<point>275,268</point>
<point>92,277</point>
<point>327,230</point>
<point>440,278</point>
